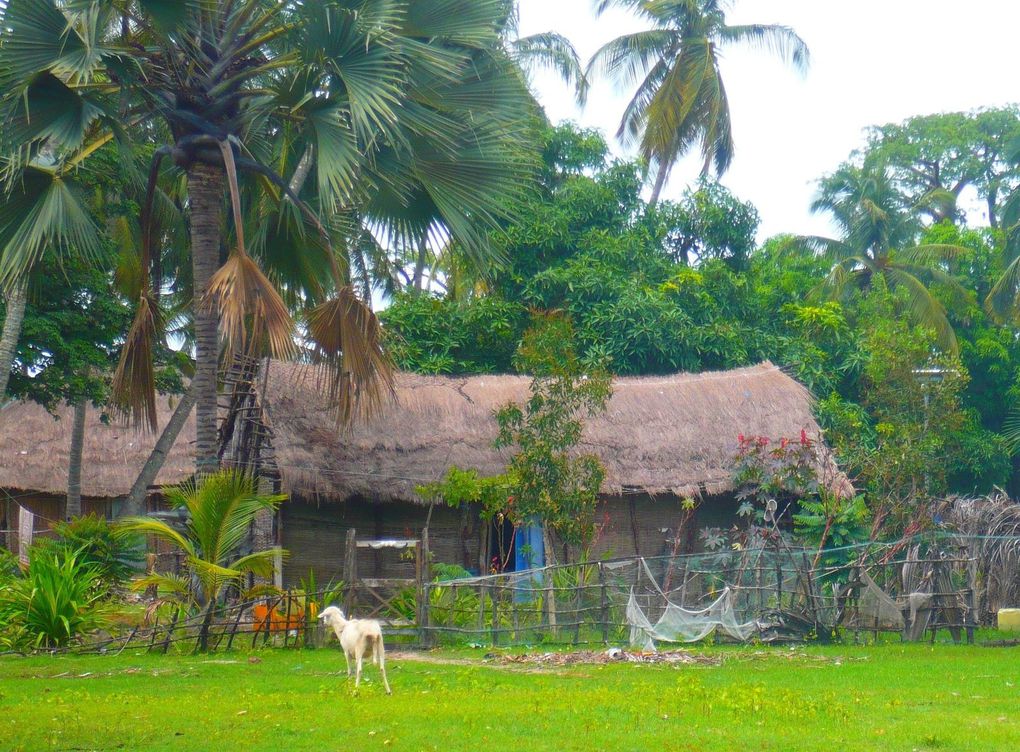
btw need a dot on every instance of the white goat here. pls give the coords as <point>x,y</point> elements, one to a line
<point>356,636</point>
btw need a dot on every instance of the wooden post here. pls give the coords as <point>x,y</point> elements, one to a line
<point>481,608</point>
<point>494,597</point>
<point>155,629</point>
<point>423,575</point>
<point>350,570</point>
<point>286,623</point>
<point>577,606</point>
<point>971,602</point>
<point>170,632</point>
<point>604,605</point>
<point>237,621</point>
<point>779,585</point>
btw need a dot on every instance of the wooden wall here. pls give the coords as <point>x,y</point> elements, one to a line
<point>644,525</point>
<point>315,535</point>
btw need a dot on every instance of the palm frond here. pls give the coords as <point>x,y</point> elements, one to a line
<point>923,308</point>
<point>134,381</point>
<point>347,341</point>
<point>42,209</point>
<point>781,41</point>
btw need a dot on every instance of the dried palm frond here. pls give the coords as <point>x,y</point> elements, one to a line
<point>134,383</point>
<point>347,337</point>
<point>251,310</point>
<point>252,313</point>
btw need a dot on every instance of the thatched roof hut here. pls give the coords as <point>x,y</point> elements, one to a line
<point>659,435</point>
<point>35,447</point>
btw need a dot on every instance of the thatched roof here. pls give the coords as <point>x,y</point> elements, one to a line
<point>35,445</point>
<point>669,434</point>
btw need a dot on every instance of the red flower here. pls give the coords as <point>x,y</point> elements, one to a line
<point>783,442</point>
<point>740,438</point>
<point>803,438</point>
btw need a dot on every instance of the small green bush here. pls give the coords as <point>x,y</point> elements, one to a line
<point>115,555</point>
<point>58,598</point>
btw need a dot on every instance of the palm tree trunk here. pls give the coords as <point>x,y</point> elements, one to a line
<point>133,505</point>
<point>660,182</point>
<point>419,266</point>
<point>12,330</point>
<point>205,197</point>
<point>73,508</point>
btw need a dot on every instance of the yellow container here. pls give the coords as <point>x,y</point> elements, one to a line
<point>1009,619</point>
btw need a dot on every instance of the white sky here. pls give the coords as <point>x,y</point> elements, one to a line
<point>873,62</point>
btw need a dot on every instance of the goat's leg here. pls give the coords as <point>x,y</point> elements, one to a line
<point>380,654</point>
<point>347,660</point>
<point>359,655</point>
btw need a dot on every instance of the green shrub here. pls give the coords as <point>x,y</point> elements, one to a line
<point>8,565</point>
<point>115,555</point>
<point>58,598</point>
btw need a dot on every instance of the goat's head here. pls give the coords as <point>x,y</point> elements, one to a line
<point>333,616</point>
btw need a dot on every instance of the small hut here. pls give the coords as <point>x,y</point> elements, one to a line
<point>35,449</point>
<point>661,439</point>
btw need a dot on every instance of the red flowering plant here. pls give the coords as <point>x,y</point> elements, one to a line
<point>768,474</point>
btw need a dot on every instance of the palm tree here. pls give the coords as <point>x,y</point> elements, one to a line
<point>263,89</point>
<point>680,100</point>
<point>879,239</point>
<point>220,510</point>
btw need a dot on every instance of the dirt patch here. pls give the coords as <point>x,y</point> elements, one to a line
<point>528,661</point>
<point>613,655</point>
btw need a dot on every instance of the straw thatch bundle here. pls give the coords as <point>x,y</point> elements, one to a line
<point>670,434</point>
<point>34,449</point>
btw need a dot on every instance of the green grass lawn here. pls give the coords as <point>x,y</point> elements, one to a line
<point>890,697</point>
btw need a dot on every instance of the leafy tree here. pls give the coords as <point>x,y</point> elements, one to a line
<point>945,153</point>
<point>680,101</point>
<point>710,223</point>
<point>220,509</point>
<point>546,478</point>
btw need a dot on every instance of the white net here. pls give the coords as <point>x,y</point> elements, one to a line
<point>679,624</point>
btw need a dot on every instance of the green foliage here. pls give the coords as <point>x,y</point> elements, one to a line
<point>829,522</point>
<point>114,556</point>
<point>220,511</point>
<point>709,222</point>
<point>546,478</point>
<point>57,599</point>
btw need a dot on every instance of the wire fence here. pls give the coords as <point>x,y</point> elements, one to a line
<point>914,589</point>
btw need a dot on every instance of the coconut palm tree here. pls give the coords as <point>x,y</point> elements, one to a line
<point>220,509</point>
<point>879,231</point>
<point>245,95</point>
<point>681,102</point>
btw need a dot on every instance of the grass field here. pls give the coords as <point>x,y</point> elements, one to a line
<point>891,697</point>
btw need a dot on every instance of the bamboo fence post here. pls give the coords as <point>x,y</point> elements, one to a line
<point>494,597</point>
<point>481,608</point>
<point>350,570</point>
<point>550,601</point>
<point>269,620</point>
<point>424,574</point>
<point>237,622</point>
<point>603,605</point>
<point>779,585</point>
<point>155,629</point>
<point>170,631</point>
<point>577,608</point>
<point>286,623</point>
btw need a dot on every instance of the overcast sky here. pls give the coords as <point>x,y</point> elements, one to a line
<point>873,62</point>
